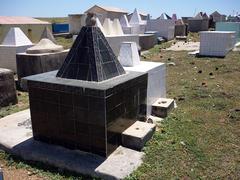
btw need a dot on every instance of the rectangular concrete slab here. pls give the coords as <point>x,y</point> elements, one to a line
<point>16,138</point>
<point>137,135</point>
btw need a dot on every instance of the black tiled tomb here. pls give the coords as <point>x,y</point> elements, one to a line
<point>90,101</point>
<point>84,115</point>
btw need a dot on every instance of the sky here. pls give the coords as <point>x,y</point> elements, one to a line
<point>61,8</point>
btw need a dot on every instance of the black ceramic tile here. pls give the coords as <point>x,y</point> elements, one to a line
<point>90,58</point>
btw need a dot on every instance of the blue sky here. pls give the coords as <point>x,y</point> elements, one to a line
<point>61,8</point>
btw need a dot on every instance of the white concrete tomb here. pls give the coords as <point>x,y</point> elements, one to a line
<point>15,42</point>
<point>156,87</point>
<point>217,43</point>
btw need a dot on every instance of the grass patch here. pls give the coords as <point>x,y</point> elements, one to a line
<point>65,42</point>
<point>200,139</point>
<point>21,105</point>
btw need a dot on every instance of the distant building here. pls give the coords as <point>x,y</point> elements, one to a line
<point>198,23</point>
<point>33,28</point>
<point>76,21</point>
<point>233,18</point>
<point>103,12</point>
<point>217,17</point>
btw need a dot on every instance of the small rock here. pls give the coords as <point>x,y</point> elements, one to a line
<point>169,59</point>
<point>160,56</point>
<point>204,84</point>
<point>182,143</point>
<point>210,74</point>
<point>200,71</point>
<point>163,131</point>
<point>222,120</point>
<point>216,68</point>
<point>29,173</point>
<point>171,64</point>
<point>150,121</point>
<point>181,99</point>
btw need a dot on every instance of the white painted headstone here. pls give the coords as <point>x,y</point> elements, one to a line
<point>98,24</point>
<point>128,55</point>
<point>108,27</point>
<point>125,25</point>
<point>117,28</point>
<point>124,21</point>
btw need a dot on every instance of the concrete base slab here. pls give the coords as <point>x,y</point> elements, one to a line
<point>16,138</point>
<point>137,135</point>
<point>162,107</point>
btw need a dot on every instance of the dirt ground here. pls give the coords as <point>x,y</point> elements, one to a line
<point>11,173</point>
<point>184,46</point>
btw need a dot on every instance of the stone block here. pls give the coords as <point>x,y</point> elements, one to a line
<point>136,136</point>
<point>31,64</point>
<point>7,88</point>
<point>128,55</point>
<point>147,41</point>
<point>116,41</point>
<point>162,107</point>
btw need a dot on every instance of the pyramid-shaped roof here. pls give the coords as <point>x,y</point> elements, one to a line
<point>136,18</point>
<point>47,34</point>
<point>164,16</point>
<point>215,13</point>
<point>15,37</point>
<point>90,58</point>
